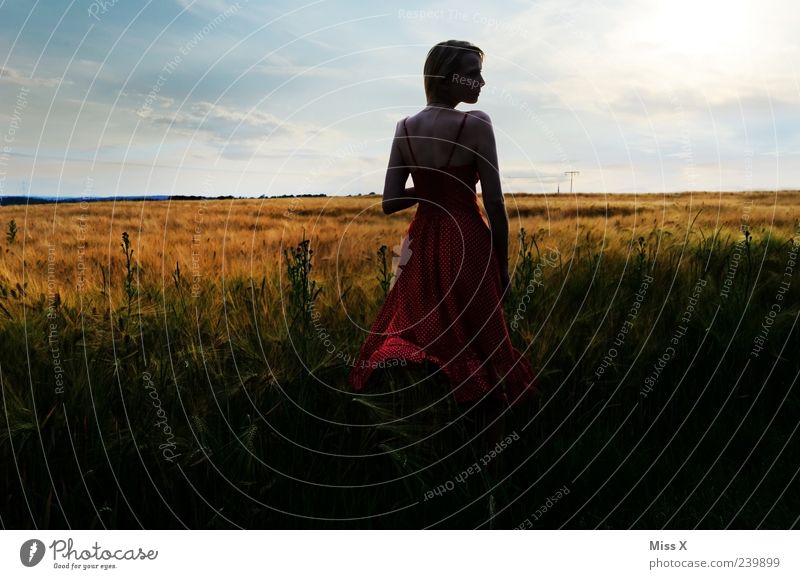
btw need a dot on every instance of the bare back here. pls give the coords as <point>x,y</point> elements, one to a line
<point>432,134</point>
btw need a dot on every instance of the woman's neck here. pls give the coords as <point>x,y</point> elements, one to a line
<point>441,105</point>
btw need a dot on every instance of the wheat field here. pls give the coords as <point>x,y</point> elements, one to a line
<point>159,367</point>
<point>246,237</point>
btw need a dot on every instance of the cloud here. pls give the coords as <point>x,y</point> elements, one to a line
<point>11,75</point>
<point>236,133</point>
<point>277,65</point>
<point>589,55</point>
<point>220,122</point>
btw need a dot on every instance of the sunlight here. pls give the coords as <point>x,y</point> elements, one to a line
<point>697,27</point>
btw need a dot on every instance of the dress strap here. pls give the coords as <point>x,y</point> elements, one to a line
<point>408,140</point>
<point>453,149</point>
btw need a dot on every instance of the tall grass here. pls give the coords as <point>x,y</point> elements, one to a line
<point>264,431</point>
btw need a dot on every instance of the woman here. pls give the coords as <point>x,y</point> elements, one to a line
<point>445,307</point>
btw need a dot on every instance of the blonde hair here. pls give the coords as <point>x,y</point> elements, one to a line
<point>443,60</point>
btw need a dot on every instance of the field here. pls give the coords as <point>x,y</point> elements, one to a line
<point>160,368</point>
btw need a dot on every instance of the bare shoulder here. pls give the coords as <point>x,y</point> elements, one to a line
<point>481,115</point>
<point>482,127</point>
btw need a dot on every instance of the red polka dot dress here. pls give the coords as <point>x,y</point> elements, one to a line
<point>445,303</point>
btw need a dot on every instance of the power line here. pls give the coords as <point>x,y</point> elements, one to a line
<point>571,175</point>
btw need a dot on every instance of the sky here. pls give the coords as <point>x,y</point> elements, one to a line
<point>248,98</point>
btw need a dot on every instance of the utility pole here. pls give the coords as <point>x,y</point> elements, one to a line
<point>571,175</point>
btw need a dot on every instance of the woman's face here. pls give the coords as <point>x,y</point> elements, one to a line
<point>465,85</point>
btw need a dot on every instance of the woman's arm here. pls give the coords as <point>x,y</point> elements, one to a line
<point>396,196</point>
<point>491,190</point>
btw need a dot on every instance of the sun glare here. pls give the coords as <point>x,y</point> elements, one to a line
<point>697,27</point>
